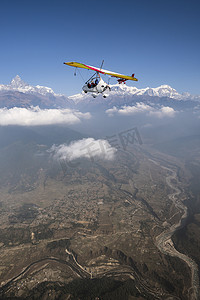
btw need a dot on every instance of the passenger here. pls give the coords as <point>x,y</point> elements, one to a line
<point>92,84</point>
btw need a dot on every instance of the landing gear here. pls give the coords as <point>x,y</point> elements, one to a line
<point>104,96</point>
<point>108,87</point>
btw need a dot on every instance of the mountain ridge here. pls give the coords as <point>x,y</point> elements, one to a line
<point>17,84</point>
<point>21,94</point>
<point>160,91</point>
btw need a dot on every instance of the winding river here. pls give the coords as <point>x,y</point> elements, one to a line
<point>164,241</point>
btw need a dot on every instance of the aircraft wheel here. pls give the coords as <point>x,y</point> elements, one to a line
<point>85,92</point>
<point>104,96</point>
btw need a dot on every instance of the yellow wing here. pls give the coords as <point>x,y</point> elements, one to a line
<point>102,71</point>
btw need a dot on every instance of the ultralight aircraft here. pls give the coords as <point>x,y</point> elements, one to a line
<point>95,84</point>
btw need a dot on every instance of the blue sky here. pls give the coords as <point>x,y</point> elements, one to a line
<point>157,40</point>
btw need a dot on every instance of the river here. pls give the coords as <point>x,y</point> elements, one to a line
<point>164,241</point>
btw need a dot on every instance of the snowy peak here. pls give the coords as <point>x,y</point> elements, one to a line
<point>123,94</point>
<point>119,92</point>
<point>21,94</point>
<point>17,82</point>
<point>161,91</point>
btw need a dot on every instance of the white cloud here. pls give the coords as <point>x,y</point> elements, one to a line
<point>197,111</point>
<point>138,108</point>
<point>112,111</point>
<point>35,116</point>
<point>85,148</point>
<point>164,111</point>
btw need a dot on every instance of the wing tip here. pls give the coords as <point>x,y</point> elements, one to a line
<point>70,63</point>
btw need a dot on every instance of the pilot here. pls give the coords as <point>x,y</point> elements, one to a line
<point>92,84</point>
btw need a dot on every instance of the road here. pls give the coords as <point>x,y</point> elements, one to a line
<point>76,268</point>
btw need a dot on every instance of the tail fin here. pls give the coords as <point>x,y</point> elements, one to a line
<point>133,75</point>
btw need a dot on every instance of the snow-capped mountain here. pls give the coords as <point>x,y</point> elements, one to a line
<point>122,95</point>
<point>17,84</point>
<point>161,91</point>
<point>124,90</point>
<point>21,94</point>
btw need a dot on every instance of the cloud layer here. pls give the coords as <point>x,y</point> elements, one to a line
<point>35,116</point>
<point>160,112</point>
<point>85,148</point>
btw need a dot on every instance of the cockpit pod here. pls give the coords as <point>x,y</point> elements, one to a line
<point>96,85</point>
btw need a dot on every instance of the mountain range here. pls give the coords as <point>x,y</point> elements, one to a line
<point>20,94</point>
